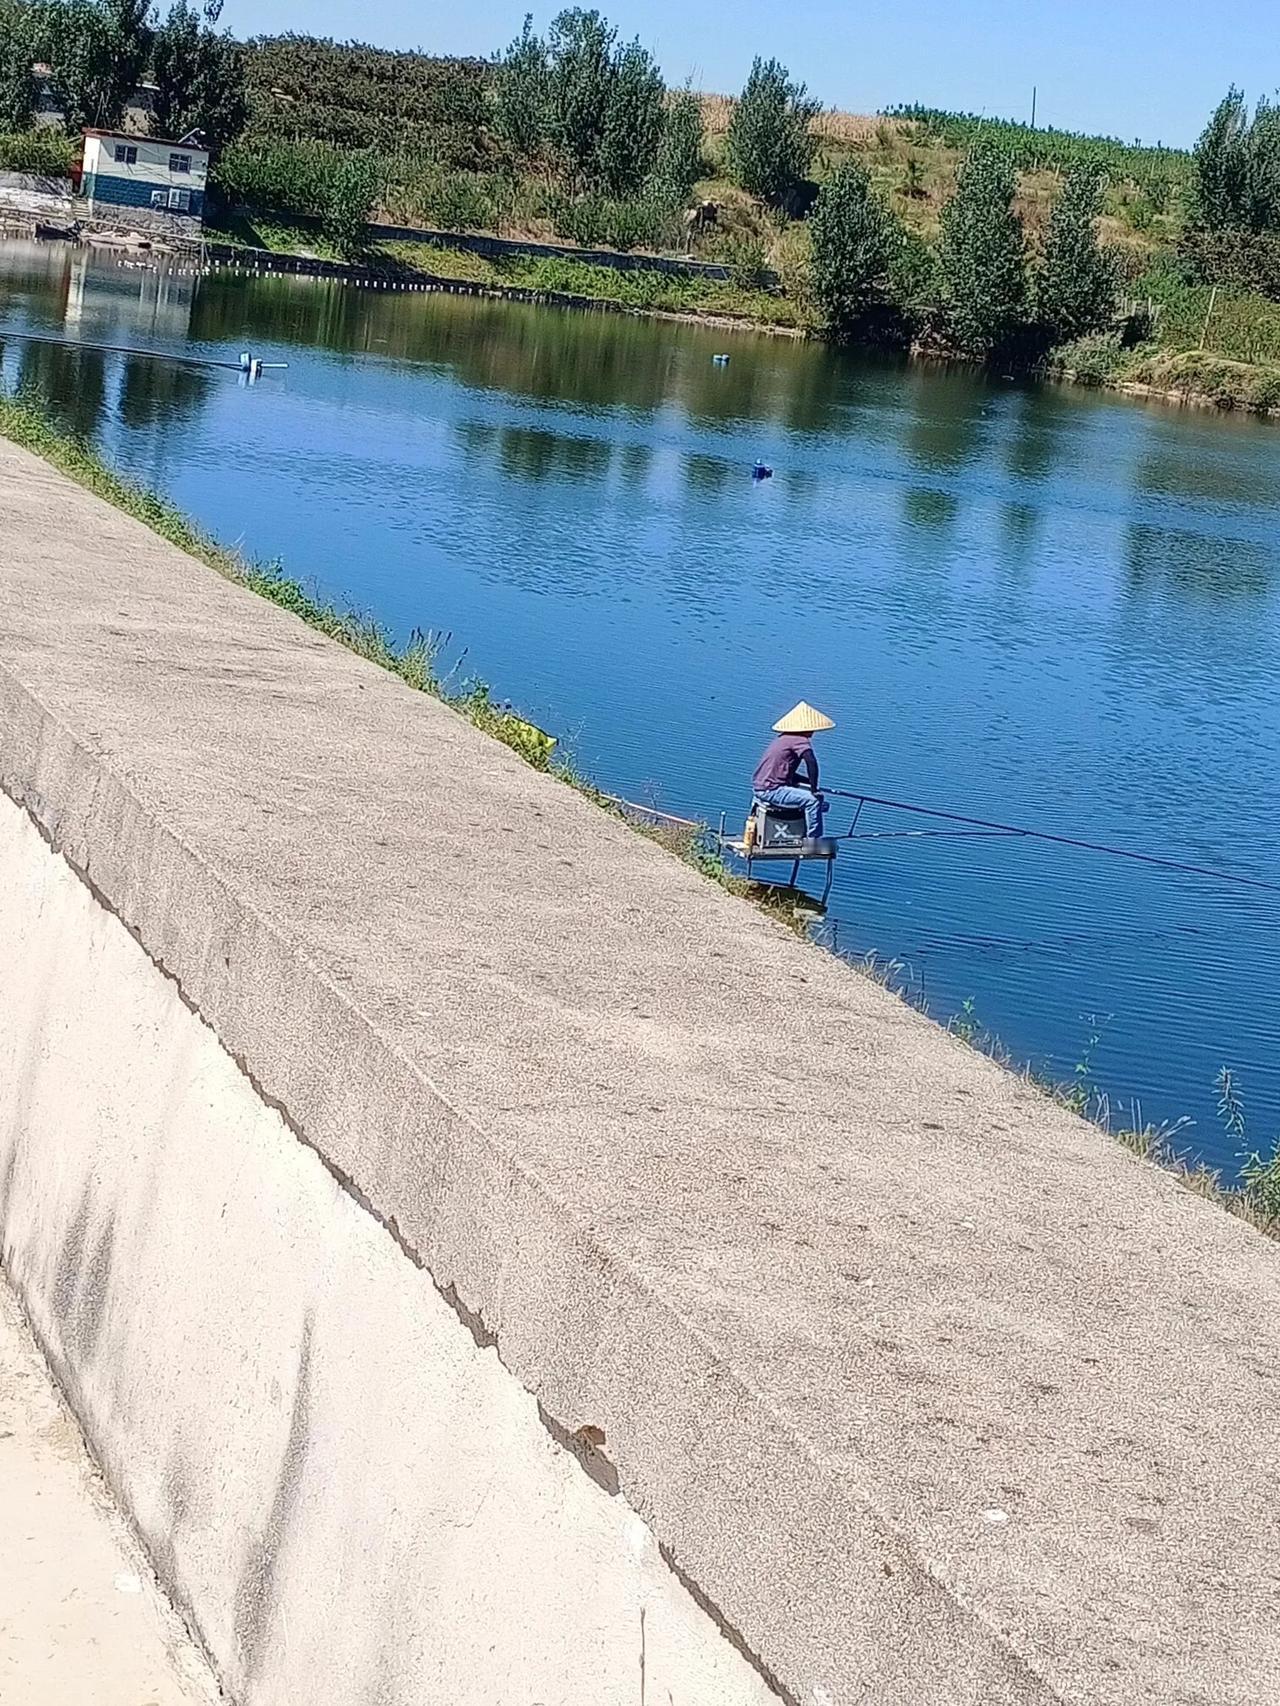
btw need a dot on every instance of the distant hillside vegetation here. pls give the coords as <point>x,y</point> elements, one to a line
<point>302,89</point>
<point>1043,147</point>
<point>440,110</point>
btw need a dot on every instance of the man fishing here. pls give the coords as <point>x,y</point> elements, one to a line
<point>787,774</point>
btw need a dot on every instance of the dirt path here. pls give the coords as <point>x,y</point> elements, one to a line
<point>82,1621</point>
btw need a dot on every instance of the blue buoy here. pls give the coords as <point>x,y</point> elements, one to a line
<point>761,472</point>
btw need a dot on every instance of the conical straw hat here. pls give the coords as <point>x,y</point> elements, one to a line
<point>802,719</point>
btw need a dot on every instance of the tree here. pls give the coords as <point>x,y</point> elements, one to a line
<point>597,107</point>
<point>1222,164</point>
<point>679,163</point>
<point>1076,284</point>
<point>580,78</point>
<point>199,76</point>
<point>17,52</point>
<point>1262,169</point>
<point>97,51</point>
<point>348,197</point>
<point>769,148</point>
<point>633,121</point>
<point>853,237</point>
<point>521,93</point>
<point>913,277</point>
<point>982,256</point>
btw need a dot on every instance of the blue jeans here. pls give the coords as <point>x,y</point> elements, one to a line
<point>798,799</point>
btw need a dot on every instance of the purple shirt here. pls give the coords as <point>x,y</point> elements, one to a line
<point>784,759</point>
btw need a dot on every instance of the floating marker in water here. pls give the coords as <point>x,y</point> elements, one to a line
<point>720,360</point>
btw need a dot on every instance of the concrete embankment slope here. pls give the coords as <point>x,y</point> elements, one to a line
<point>915,1388</point>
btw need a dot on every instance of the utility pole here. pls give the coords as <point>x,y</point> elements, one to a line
<point>1208,315</point>
<point>1033,106</point>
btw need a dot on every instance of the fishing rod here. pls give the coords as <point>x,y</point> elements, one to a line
<point>985,826</point>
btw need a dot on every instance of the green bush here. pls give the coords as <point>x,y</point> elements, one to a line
<point>1242,326</point>
<point>1266,391</point>
<point>419,191</point>
<point>283,177</point>
<point>580,221</point>
<point>349,197</point>
<point>744,255</point>
<point>1139,214</point>
<point>463,205</point>
<point>594,221</point>
<point>305,180</point>
<point>1239,259</point>
<point>1094,359</point>
<point>44,153</point>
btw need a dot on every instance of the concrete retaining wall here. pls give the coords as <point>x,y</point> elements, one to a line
<point>931,1394</point>
<point>28,192</point>
<point>35,183</point>
<point>262,262</point>
<point>498,248</point>
<point>336,1476</point>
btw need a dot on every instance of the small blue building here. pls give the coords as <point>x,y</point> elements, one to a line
<point>122,172</point>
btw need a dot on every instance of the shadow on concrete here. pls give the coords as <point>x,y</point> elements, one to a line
<point>256,1594</point>
<point>82,1283</point>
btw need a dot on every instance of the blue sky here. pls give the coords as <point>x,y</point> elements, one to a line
<point>1148,68</point>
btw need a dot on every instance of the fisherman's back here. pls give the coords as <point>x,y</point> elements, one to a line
<point>782,761</point>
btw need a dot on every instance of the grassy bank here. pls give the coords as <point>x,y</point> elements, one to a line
<point>645,290</point>
<point>1210,346</point>
<point>1202,377</point>
<point>1255,1200</point>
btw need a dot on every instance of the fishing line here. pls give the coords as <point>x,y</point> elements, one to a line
<point>920,834</point>
<point>984,824</point>
<point>179,357</point>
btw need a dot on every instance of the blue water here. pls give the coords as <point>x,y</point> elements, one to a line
<point>1049,607</point>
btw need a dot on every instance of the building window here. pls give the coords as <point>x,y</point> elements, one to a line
<point>179,162</point>
<point>180,200</point>
<point>126,155</point>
